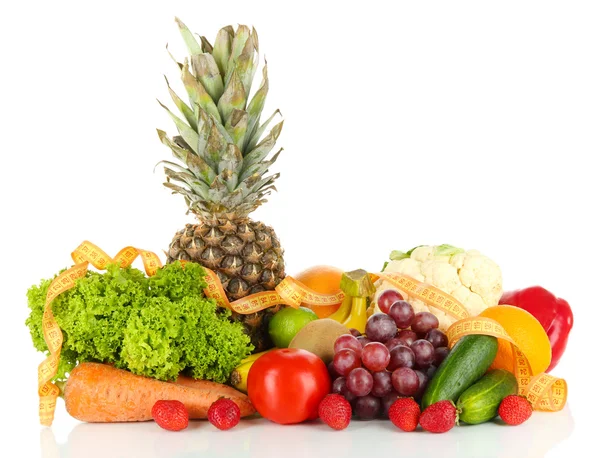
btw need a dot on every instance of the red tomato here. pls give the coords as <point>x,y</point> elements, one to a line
<point>286,386</point>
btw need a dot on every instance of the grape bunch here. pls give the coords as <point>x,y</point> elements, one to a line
<point>396,357</point>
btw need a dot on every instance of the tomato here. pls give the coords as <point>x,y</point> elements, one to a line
<point>286,385</point>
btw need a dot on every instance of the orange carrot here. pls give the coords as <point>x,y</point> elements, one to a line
<point>100,393</point>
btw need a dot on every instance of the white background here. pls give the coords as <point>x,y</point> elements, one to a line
<point>469,123</point>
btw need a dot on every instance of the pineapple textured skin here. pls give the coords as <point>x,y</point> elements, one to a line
<point>247,257</point>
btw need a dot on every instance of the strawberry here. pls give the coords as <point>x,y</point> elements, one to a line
<point>439,417</point>
<point>171,415</point>
<point>224,414</point>
<point>514,409</point>
<point>404,413</point>
<point>336,411</point>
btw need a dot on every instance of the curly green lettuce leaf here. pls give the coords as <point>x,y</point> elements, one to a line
<point>157,326</point>
<point>176,281</point>
<point>92,315</point>
<point>165,338</point>
<point>152,341</point>
<point>223,344</point>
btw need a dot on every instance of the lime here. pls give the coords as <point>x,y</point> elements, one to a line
<point>286,323</point>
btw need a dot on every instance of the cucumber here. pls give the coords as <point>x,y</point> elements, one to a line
<point>465,364</point>
<point>479,402</point>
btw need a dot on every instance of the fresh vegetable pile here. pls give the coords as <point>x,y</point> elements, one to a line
<point>428,341</point>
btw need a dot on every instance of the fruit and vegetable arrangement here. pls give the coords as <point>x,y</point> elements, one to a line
<point>221,332</point>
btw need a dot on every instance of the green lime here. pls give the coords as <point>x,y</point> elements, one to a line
<point>286,323</point>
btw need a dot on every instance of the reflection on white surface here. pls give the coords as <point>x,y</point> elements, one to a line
<point>262,439</point>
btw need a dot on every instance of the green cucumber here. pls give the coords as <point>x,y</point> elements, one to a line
<point>465,364</point>
<point>479,402</point>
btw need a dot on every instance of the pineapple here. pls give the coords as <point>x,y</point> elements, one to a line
<point>222,169</point>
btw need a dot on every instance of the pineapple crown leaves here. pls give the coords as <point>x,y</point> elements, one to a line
<point>221,147</point>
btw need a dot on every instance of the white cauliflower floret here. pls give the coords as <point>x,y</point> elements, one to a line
<point>470,277</point>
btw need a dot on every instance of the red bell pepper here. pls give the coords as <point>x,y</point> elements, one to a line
<point>554,314</point>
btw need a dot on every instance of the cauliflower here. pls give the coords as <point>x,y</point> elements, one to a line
<point>472,278</point>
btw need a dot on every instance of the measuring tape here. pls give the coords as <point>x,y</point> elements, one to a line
<point>289,292</point>
<point>85,254</point>
<point>544,391</point>
<point>429,294</point>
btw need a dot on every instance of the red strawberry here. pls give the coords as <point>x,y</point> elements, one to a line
<point>336,411</point>
<point>171,415</point>
<point>514,409</point>
<point>404,413</point>
<point>439,417</point>
<point>224,414</point>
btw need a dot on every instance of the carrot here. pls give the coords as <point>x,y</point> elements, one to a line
<point>101,393</point>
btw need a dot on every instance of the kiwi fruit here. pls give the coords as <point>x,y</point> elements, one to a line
<point>318,337</point>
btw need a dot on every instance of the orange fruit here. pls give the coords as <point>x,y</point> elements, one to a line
<point>325,280</point>
<point>528,334</point>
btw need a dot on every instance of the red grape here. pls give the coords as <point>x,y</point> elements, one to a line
<point>359,381</point>
<point>338,385</point>
<point>367,407</point>
<point>363,340</point>
<point>430,372</point>
<point>402,313</point>
<point>347,341</point>
<point>401,356</point>
<point>375,356</point>
<point>345,360</point>
<point>424,352</point>
<point>382,383</point>
<point>437,338</point>
<point>350,397</point>
<point>387,401</point>
<point>405,381</point>
<point>407,337</point>
<point>440,355</point>
<point>355,332</point>
<point>423,379</point>
<point>381,327</point>
<point>387,298</point>
<point>332,372</point>
<point>394,342</point>
<point>424,322</point>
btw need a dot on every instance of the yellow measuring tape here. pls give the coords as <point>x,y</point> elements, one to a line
<point>87,253</point>
<point>544,391</point>
<point>288,291</point>
<point>429,294</point>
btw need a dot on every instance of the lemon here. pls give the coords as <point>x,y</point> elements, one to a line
<point>286,323</point>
